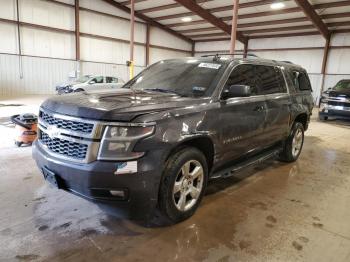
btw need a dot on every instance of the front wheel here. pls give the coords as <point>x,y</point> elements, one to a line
<point>293,144</point>
<point>78,90</point>
<point>183,184</point>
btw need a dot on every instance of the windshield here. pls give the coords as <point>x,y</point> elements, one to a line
<point>82,79</point>
<point>341,85</point>
<point>184,78</point>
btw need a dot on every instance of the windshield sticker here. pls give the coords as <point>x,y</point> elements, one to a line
<point>210,65</point>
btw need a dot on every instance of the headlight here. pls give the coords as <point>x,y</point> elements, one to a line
<point>118,142</point>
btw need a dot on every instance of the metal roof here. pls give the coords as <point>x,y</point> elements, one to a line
<point>255,17</point>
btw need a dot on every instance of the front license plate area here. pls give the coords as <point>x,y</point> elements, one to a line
<point>50,177</point>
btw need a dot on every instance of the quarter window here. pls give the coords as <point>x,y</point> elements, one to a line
<point>301,81</point>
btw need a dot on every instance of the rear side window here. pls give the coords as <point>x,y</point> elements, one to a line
<point>301,81</point>
<point>111,79</point>
<point>243,75</point>
<point>270,80</point>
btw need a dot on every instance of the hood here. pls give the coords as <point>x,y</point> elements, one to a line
<point>116,104</point>
<point>339,93</point>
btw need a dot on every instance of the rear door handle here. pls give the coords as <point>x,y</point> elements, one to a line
<point>259,108</point>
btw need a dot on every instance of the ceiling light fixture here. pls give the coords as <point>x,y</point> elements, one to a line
<point>277,5</point>
<point>186,19</point>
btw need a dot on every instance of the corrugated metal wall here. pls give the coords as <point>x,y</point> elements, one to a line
<point>338,65</point>
<point>49,56</point>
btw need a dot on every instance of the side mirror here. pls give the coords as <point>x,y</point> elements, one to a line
<point>236,91</point>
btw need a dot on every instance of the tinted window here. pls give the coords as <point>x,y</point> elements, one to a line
<point>281,81</point>
<point>182,77</point>
<point>97,80</point>
<point>111,79</point>
<point>304,83</point>
<point>269,79</point>
<point>301,81</point>
<point>243,75</point>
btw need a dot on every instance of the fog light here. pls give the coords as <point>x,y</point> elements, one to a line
<point>117,193</point>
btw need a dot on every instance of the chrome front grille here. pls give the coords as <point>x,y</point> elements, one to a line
<point>66,124</point>
<point>64,147</point>
<point>70,138</point>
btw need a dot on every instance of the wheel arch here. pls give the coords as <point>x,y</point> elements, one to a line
<point>302,118</point>
<point>203,143</point>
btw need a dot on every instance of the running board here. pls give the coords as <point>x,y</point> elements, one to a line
<point>227,172</point>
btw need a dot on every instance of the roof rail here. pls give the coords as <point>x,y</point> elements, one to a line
<point>218,55</point>
<point>289,62</point>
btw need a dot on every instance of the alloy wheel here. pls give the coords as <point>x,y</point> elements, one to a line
<point>188,185</point>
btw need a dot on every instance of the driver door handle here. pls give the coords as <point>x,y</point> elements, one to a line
<point>259,108</point>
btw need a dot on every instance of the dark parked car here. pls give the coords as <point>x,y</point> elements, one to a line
<point>335,102</point>
<point>155,142</point>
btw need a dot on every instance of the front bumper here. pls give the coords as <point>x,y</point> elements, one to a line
<point>334,111</point>
<point>95,180</point>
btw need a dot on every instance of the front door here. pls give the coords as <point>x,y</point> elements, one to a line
<point>242,119</point>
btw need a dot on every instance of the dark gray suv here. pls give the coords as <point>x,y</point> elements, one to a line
<point>154,143</point>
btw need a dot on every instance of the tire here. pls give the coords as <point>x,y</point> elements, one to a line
<point>18,144</point>
<point>171,204</point>
<point>289,153</point>
<point>79,90</point>
<point>323,118</point>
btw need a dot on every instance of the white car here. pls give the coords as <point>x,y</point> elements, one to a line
<point>88,82</point>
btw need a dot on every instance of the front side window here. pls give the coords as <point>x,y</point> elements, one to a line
<point>269,80</point>
<point>97,80</point>
<point>243,75</point>
<point>181,77</point>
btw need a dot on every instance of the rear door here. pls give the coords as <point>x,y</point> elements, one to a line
<point>242,119</point>
<point>272,85</point>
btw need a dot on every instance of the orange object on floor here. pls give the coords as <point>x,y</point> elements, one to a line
<point>26,128</point>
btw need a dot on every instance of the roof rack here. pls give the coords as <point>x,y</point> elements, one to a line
<point>217,55</point>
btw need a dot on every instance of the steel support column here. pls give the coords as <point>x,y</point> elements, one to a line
<point>148,28</point>
<point>77,37</point>
<point>324,62</point>
<point>234,26</point>
<point>132,30</point>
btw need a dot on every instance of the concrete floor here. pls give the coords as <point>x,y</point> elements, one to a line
<point>274,212</point>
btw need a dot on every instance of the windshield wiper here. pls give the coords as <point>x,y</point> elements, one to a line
<point>162,91</point>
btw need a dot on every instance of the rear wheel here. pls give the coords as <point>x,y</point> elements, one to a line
<point>323,118</point>
<point>293,144</point>
<point>183,184</point>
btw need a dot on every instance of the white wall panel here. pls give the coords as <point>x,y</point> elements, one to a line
<point>340,39</point>
<point>287,42</point>
<point>99,50</point>
<point>338,61</point>
<point>217,46</point>
<point>157,54</point>
<point>41,75</point>
<point>120,71</point>
<point>101,6</point>
<point>8,9</point>
<point>97,24</point>
<point>311,60</point>
<point>8,42</point>
<point>39,42</point>
<point>47,13</point>
<point>162,38</point>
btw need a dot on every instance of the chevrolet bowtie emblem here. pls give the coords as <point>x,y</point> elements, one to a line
<point>52,131</point>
